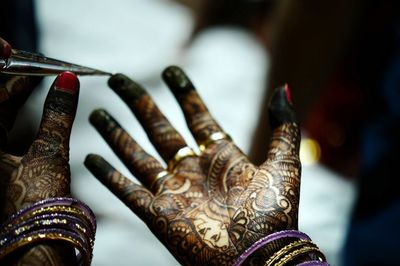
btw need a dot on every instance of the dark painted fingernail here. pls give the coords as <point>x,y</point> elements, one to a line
<point>97,165</point>
<point>281,107</point>
<point>6,50</point>
<point>103,122</point>
<point>68,82</point>
<point>177,80</point>
<point>126,88</point>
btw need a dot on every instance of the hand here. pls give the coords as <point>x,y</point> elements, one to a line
<point>43,172</point>
<point>207,208</point>
<point>14,91</point>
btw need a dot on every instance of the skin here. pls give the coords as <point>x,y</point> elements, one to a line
<point>213,206</point>
<point>43,172</point>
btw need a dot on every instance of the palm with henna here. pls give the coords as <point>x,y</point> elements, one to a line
<point>43,172</point>
<point>206,208</point>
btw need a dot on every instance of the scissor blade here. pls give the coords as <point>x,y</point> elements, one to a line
<point>25,63</point>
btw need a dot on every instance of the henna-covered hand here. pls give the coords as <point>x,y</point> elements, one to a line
<point>14,91</point>
<point>43,172</point>
<point>208,208</point>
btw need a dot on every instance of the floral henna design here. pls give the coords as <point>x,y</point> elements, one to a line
<point>212,207</point>
<point>161,133</point>
<point>140,163</point>
<point>44,171</point>
<point>199,120</point>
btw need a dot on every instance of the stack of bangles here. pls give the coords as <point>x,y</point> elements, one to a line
<point>57,219</point>
<point>300,246</point>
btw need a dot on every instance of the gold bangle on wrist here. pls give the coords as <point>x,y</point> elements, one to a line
<point>287,249</point>
<point>298,252</point>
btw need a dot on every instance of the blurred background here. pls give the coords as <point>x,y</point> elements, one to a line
<point>341,60</point>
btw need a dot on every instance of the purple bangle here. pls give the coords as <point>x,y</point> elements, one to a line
<point>84,250</point>
<point>54,202</point>
<point>268,239</point>
<point>36,223</point>
<point>314,263</point>
<point>70,221</point>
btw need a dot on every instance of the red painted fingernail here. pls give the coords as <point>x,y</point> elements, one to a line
<point>67,81</point>
<point>288,94</point>
<point>6,50</point>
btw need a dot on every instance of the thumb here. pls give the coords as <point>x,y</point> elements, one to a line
<point>57,119</point>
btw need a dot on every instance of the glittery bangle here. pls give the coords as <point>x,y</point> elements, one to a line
<point>296,253</point>
<point>287,249</point>
<point>54,210</point>
<point>314,263</point>
<point>61,219</point>
<point>268,239</point>
<point>49,206</point>
<point>56,220</point>
<point>46,235</point>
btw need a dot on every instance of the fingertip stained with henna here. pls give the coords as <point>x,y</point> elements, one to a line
<point>126,88</point>
<point>102,121</point>
<point>177,80</point>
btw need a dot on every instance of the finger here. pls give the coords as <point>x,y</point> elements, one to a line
<point>198,118</point>
<point>285,142</point>
<point>13,94</point>
<point>57,119</point>
<point>141,164</point>
<point>5,49</point>
<point>136,197</point>
<point>161,133</point>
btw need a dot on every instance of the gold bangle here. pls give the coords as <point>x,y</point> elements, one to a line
<point>214,137</point>
<point>298,252</point>
<point>181,154</point>
<point>53,209</point>
<point>287,249</point>
<point>47,236</point>
<point>160,175</point>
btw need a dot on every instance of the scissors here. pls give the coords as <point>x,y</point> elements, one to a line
<point>32,64</point>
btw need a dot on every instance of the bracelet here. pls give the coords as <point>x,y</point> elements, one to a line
<point>57,219</point>
<point>287,249</point>
<point>295,254</point>
<point>313,263</point>
<point>50,205</point>
<point>45,235</point>
<point>268,239</point>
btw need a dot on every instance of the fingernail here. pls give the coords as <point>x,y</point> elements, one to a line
<point>177,80</point>
<point>6,53</point>
<point>281,108</point>
<point>288,94</point>
<point>68,82</point>
<point>125,87</point>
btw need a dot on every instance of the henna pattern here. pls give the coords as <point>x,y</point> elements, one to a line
<point>140,163</point>
<point>213,206</point>
<point>199,120</point>
<point>43,172</point>
<point>159,130</point>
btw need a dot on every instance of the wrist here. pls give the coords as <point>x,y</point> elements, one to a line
<point>288,247</point>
